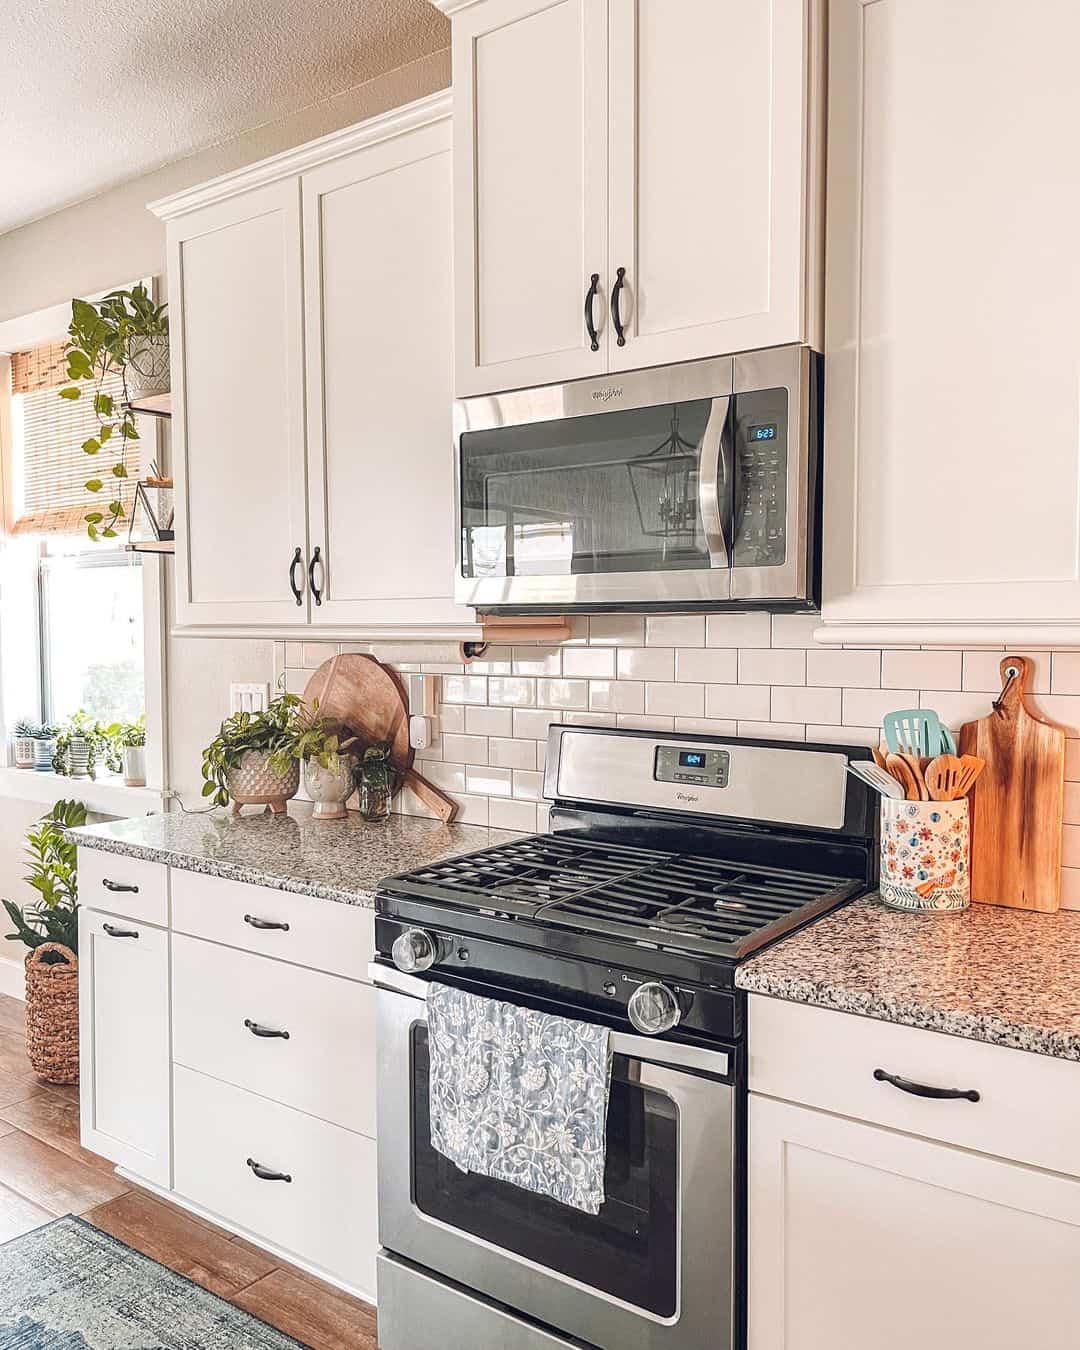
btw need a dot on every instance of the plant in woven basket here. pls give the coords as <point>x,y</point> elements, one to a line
<point>273,733</point>
<point>53,917</point>
<point>103,339</point>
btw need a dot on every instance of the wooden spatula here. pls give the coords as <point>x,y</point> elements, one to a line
<point>900,769</point>
<point>943,776</point>
<point>971,766</point>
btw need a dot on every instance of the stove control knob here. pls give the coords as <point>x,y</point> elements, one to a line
<point>653,1008</point>
<point>415,950</point>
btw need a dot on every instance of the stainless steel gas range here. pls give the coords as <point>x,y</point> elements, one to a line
<point>670,859</point>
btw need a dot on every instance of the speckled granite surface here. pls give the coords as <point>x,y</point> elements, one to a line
<point>1006,976</point>
<point>335,859</point>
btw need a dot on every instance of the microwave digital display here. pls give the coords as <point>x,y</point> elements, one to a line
<point>763,433</point>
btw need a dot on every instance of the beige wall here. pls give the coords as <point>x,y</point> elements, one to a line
<point>111,238</point>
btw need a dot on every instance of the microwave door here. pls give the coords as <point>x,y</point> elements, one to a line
<point>716,477</point>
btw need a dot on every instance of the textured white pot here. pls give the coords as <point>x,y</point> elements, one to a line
<point>24,752</point>
<point>148,367</point>
<point>134,765</point>
<point>329,791</point>
<point>255,783</point>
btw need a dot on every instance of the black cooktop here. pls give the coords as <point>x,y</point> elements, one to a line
<point>681,901</point>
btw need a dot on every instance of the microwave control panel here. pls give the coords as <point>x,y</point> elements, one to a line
<point>677,764</point>
<point>761,471</point>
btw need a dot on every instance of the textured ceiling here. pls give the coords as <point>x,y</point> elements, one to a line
<point>94,94</point>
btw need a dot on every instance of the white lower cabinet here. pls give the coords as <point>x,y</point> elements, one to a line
<point>124,1042</point>
<point>299,1183</point>
<point>865,1237</point>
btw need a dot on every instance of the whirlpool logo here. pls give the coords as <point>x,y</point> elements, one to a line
<point>687,797</point>
<point>606,395</point>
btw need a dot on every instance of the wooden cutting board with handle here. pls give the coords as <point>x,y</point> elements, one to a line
<point>367,700</point>
<point>1018,800</point>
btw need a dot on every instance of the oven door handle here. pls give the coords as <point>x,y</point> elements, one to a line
<point>664,1054</point>
<point>714,483</point>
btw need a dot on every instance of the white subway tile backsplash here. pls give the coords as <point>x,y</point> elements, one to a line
<point>866,707</point>
<point>646,663</point>
<point>590,719</point>
<point>315,653</point>
<point>773,731</point>
<point>1070,846</point>
<point>1070,888</point>
<point>537,661</point>
<point>1072,760</point>
<point>641,723</point>
<point>843,669</point>
<point>449,777</point>
<point>495,661</point>
<point>618,630</point>
<point>617,696</point>
<point>954,708</point>
<point>844,735</point>
<point>489,721</point>
<point>739,630</point>
<point>528,785</point>
<point>794,630</point>
<point>465,749</point>
<point>785,666</point>
<point>675,700</point>
<point>451,717</point>
<point>797,703</point>
<point>589,663</point>
<point>533,723</point>
<point>1065,673</point>
<point>675,630</point>
<point>982,670</point>
<point>511,754</point>
<point>489,782</point>
<point>541,754</point>
<point>562,693</point>
<point>1064,709</point>
<point>706,726</point>
<point>464,689</point>
<point>513,815</point>
<point>707,665</point>
<point>511,691</point>
<point>473,810</point>
<point>738,701</point>
<point>921,670</point>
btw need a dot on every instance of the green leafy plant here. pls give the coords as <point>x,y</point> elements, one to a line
<point>132,734</point>
<point>26,728</point>
<point>319,742</point>
<point>275,732</point>
<point>105,742</point>
<point>101,339</point>
<point>54,916</point>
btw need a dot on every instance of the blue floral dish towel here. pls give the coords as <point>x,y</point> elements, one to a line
<point>519,1095</point>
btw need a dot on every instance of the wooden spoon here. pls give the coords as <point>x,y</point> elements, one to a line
<point>900,769</point>
<point>943,776</point>
<point>879,758</point>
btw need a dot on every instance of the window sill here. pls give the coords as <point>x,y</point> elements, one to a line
<point>105,796</point>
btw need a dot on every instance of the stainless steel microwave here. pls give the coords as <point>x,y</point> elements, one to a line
<point>686,487</point>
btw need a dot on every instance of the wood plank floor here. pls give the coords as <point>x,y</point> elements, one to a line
<point>45,1173</point>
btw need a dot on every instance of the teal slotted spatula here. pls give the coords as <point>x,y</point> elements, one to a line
<point>917,731</point>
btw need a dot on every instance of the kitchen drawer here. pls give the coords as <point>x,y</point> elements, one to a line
<point>325,1215</point>
<point>131,887</point>
<point>1028,1104</point>
<point>322,934</point>
<point>326,1066</point>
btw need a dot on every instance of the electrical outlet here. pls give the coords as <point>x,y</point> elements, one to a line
<point>251,698</point>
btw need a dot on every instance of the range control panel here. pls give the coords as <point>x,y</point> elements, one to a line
<point>677,764</point>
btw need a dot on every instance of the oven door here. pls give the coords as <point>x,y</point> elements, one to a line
<point>652,1271</point>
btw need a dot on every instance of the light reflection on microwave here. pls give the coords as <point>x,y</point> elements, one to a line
<point>540,548</point>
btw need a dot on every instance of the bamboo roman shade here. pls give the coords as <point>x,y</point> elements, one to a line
<point>51,467</point>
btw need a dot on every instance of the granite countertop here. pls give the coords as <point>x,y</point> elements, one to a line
<point>340,860</point>
<point>1007,976</point>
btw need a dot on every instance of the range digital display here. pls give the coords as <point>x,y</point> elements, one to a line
<point>692,759</point>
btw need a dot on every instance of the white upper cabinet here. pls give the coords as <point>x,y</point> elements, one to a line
<point>238,379</point>
<point>377,251</point>
<point>952,342</point>
<point>644,165</point>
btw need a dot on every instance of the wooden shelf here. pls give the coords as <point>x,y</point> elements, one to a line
<point>152,546</point>
<point>156,405</point>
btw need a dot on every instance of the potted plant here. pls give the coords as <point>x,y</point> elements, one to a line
<point>252,759</point>
<point>22,741</point>
<point>375,782</point>
<point>76,743</point>
<point>132,738</point>
<point>50,928</point>
<point>328,770</point>
<point>125,334</point>
<point>44,747</point>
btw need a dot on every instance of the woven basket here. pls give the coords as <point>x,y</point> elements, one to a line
<point>52,1014</point>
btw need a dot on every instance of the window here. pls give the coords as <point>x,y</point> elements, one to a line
<point>91,629</point>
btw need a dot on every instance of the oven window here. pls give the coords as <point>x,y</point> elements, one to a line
<point>628,1250</point>
<point>610,492</point>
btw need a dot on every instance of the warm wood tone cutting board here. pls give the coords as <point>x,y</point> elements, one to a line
<point>367,700</point>
<point>1017,802</point>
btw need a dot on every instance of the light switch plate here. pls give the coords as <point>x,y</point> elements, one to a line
<point>250,698</point>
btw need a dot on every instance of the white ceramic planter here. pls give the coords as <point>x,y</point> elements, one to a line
<point>329,791</point>
<point>148,367</point>
<point>24,751</point>
<point>79,758</point>
<point>43,754</point>
<point>134,765</point>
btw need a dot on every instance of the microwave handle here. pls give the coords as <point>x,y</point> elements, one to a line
<point>714,483</point>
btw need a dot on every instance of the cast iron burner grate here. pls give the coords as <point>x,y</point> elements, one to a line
<point>676,900</point>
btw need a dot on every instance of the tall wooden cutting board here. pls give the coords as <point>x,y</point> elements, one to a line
<point>1018,800</point>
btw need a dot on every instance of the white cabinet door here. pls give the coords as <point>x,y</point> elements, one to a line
<point>124,1043</point>
<point>952,345</point>
<point>713,152</point>
<point>530,218</point>
<point>238,381</point>
<point>377,250</point>
<point>863,1237</point>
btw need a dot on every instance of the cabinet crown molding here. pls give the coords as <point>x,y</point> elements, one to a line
<point>451,7</point>
<point>288,163</point>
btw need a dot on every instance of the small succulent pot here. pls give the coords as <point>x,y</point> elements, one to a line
<point>134,757</point>
<point>925,848</point>
<point>23,748</point>
<point>147,370</point>
<point>79,757</point>
<point>255,783</point>
<point>44,750</point>
<point>329,789</point>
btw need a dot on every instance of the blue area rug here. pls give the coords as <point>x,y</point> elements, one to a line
<point>69,1286</point>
